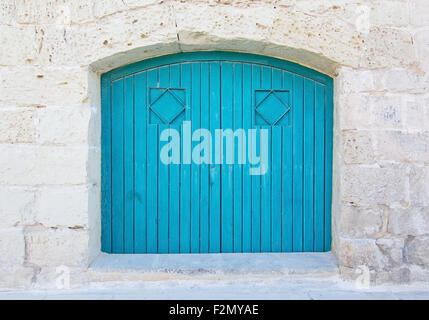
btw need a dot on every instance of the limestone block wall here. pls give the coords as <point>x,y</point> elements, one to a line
<point>52,53</point>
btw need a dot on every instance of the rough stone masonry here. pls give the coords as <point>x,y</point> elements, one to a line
<point>51,57</point>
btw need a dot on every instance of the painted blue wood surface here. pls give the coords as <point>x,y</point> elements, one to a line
<point>298,163</point>
<point>205,168</point>
<point>247,179</point>
<point>237,172</point>
<point>174,186</point>
<point>214,175</point>
<point>129,164</point>
<point>140,164</point>
<point>152,174</point>
<point>118,166</point>
<point>227,182</point>
<point>152,207</point>
<point>106,165</point>
<point>185,184</point>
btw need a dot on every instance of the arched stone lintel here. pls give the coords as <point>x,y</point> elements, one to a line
<point>199,42</point>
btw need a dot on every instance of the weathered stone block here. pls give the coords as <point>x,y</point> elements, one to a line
<point>52,247</point>
<point>45,86</point>
<point>25,165</point>
<point>417,251</point>
<point>353,253</point>
<point>419,186</point>
<point>12,246</point>
<point>68,125</point>
<point>403,146</point>
<point>421,39</point>
<point>419,12</point>
<point>16,207</point>
<point>418,273</point>
<point>395,50</point>
<point>256,20</point>
<point>61,165</point>
<point>62,206</point>
<point>317,34</point>
<point>17,164</point>
<point>103,8</point>
<point>388,111</point>
<point>392,248</point>
<point>357,147</point>
<point>344,8</point>
<point>371,186</point>
<point>19,41</point>
<point>17,125</point>
<point>7,12</point>
<point>417,113</point>
<point>388,13</point>
<point>53,11</point>
<point>360,222</point>
<point>356,112</point>
<point>355,81</point>
<point>54,46</point>
<point>410,221</point>
<point>13,277</point>
<point>152,28</point>
<point>400,275</point>
<point>403,80</point>
<point>55,277</point>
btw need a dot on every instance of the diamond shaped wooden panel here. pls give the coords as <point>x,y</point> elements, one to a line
<point>272,107</point>
<point>166,105</point>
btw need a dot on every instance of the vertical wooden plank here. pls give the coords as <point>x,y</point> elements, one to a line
<point>328,162</point>
<point>174,187</point>
<point>319,168</point>
<point>174,202</point>
<point>140,122</point>
<point>266,178</point>
<point>238,172</point>
<point>106,165</point>
<point>287,173</point>
<point>276,175</point>
<point>205,124</point>
<point>163,176</point>
<point>247,179</point>
<point>129,164</point>
<point>266,196</point>
<point>276,189</point>
<point>308,164</point>
<point>298,163</point>
<point>152,186</point>
<point>118,166</point>
<point>185,191</point>
<point>227,182</point>
<point>195,168</point>
<point>163,199</point>
<point>287,189</point>
<point>152,176</point>
<point>214,244</point>
<point>256,179</point>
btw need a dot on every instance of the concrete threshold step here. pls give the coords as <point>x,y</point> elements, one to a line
<point>237,264</point>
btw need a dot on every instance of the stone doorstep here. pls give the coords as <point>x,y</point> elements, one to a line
<point>232,264</point>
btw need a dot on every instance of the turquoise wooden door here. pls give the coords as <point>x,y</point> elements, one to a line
<point>149,206</point>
